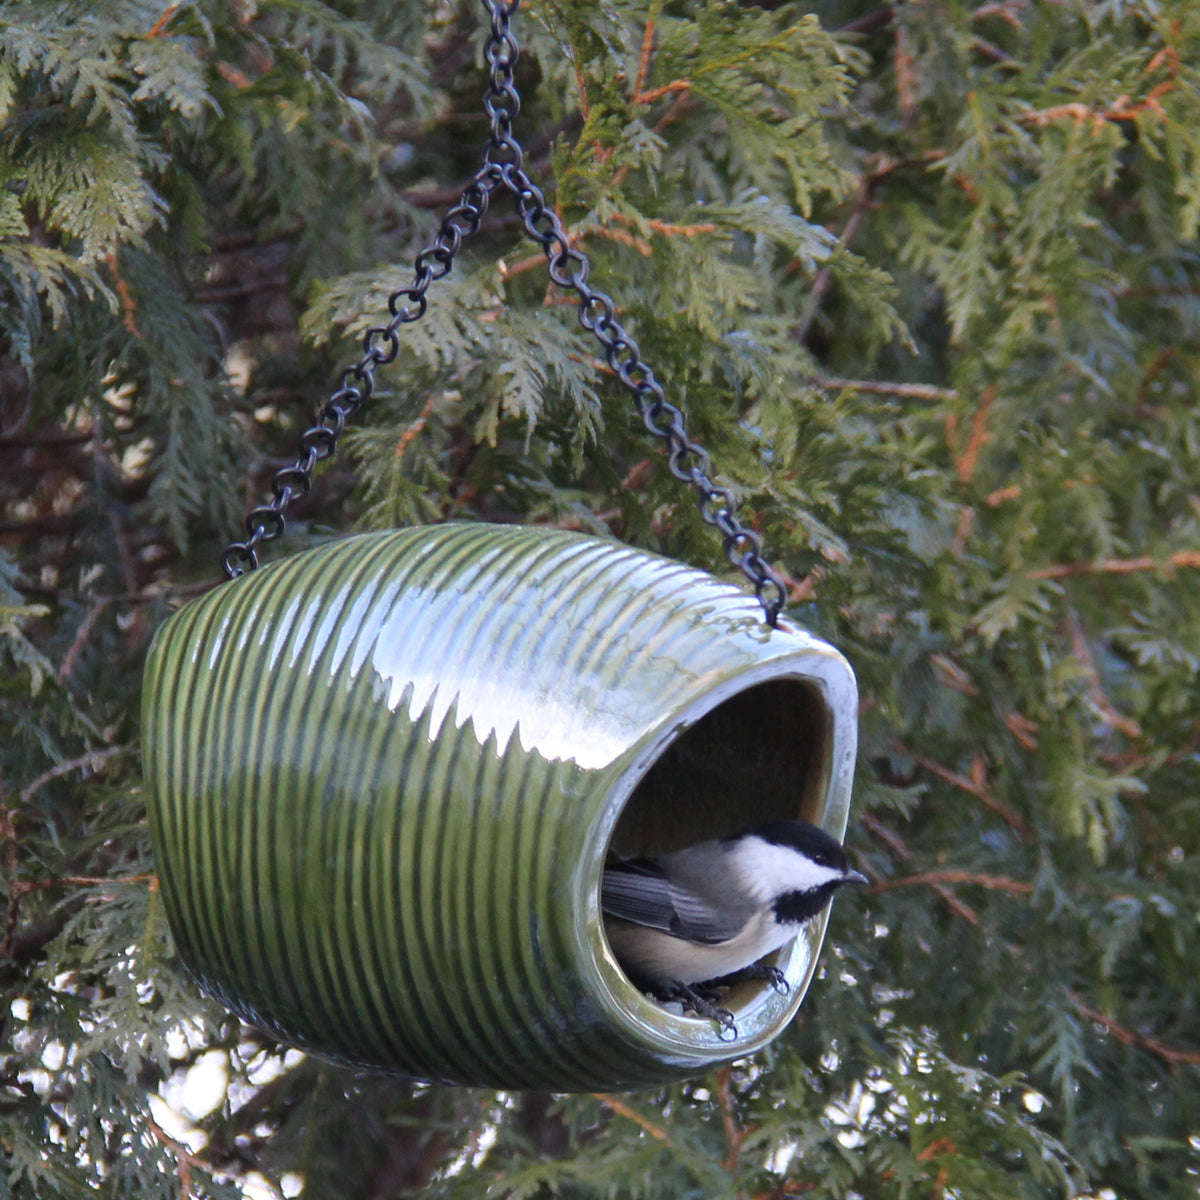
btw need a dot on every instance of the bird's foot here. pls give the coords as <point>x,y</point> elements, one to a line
<point>703,1007</point>
<point>757,971</point>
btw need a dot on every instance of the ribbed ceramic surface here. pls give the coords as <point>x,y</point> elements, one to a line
<point>381,776</point>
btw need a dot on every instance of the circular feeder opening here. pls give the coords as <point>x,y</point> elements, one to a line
<point>762,755</point>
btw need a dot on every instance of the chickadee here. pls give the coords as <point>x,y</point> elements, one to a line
<point>699,915</point>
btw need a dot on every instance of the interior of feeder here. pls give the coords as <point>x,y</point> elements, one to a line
<point>762,755</point>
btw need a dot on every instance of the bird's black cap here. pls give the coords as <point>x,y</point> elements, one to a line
<point>800,835</point>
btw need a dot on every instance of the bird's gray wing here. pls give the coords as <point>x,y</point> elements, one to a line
<point>639,891</point>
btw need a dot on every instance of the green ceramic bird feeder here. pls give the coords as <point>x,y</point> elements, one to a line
<point>384,775</point>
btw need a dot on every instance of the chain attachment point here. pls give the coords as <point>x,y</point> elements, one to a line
<point>502,167</point>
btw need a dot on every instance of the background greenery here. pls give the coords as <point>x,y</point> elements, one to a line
<point>924,278</point>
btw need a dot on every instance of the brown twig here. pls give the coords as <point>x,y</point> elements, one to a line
<point>532,262</point>
<point>966,462</point>
<point>156,30</point>
<point>24,887</point>
<point>417,426</point>
<point>1000,495</point>
<point>605,515</point>
<point>668,229</point>
<point>824,277</point>
<point>1005,9</point>
<point>676,85</point>
<point>89,761</point>
<point>896,843</point>
<point>999,883</point>
<point>635,477</point>
<point>800,591</point>
<point>785,1188</point>
<point>877,387</point>
<point>529,263</point>
<point>642,94</point>
<point>643,72</point>
<point>1103,705</point>
<point>128,303</point>
<point>735,1135</point>
<point>1118,566</point>
<point>973,786</point>
<point>625,238</point>
<point>876,19</point>
<point>8,830</point>
<point>941,1147</point>
<point>1129,1037</point>
<point>1022,729</point>
<point>125,554</point>
<point>185,1159</point>
<point>949,674</point>
<point>1122,109</point>
<point>585,105</point>
<point>630,1114</point>
<point>80,640</point>
<point>1137,761</point>
<point>1156,366</point>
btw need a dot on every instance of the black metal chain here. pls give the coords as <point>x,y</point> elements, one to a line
<point>503,160</point>
<point>381,345</point>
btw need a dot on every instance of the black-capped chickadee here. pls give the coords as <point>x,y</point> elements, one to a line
<point>697,916</point>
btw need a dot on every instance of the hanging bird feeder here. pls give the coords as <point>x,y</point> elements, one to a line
<point>384,775</point>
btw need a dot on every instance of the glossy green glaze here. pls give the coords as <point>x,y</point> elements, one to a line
<point>383,776</point>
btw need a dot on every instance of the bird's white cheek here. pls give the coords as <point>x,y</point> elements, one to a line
<point>768,870</point>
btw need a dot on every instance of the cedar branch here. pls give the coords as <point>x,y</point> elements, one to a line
<point>966,462</point>
<point>896,844</point>
<point>971,787</point>
<point>1130,1037</point>
<point>734,1133</point>
<point>1118,566</point>
<point>80,640</point>
<point>999,883</point>
<point>879,387</point>
<point>90,761</point>
<point>631,1114</point>
<point>1100,701</point>
<point>159,26</point>
<point>639,84</point>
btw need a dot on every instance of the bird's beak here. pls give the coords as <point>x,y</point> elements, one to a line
<point>855,877</point>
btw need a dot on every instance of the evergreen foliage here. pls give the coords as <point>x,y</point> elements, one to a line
<point>924,279</point>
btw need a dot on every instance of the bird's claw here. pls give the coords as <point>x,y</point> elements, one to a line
<point>773,975</point>
<point>702,1007</point>
<point>778,980</point>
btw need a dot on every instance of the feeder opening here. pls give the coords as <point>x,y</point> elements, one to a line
<point>762,755</point>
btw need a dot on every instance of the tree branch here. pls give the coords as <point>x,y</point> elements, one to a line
<point>623,1110</point>
<point>92,761</point>
<point>1119,566</point>
<point>1001,883</point>
<point>734,1133</point>
<point>971,786</point>
<point>1129,1037</point>
<point>878,387</point>
<point>896,843</point>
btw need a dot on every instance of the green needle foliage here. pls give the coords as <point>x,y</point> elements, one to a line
<point>923,278</point>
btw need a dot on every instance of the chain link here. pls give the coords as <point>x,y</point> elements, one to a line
<point>381,345</point>
<point>503,160</point>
